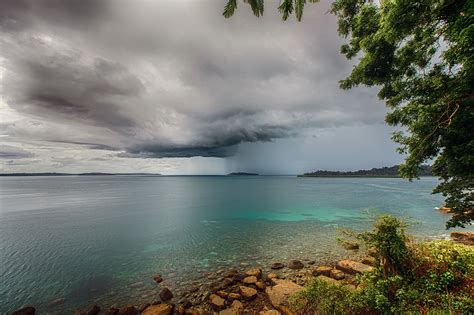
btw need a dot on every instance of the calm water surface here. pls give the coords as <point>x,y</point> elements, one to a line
<point>87,239</point>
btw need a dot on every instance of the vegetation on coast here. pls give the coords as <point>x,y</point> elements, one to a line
<point>408,277</point>
<point>425,170</point>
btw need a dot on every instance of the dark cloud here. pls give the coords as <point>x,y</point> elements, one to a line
<point>172,78</point>
<point>9,153</point>
<point>17,15</point>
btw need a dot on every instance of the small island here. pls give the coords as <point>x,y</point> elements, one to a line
<point>242,174</point>
<point>425,170</point>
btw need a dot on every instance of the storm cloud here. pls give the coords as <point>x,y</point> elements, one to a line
<point>170,79</point>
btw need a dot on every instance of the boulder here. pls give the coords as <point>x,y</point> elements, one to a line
<point>236,308</point>
<point>322,270</point>
<point>260,285</point>
<point>128,310</point>
<point>277,265</point>
<point>222,294</point>
<point>217,303</point>
<point>466,238</point>
<point>337,274</point>
<point>94,310</point>
<point>445,209</point>
<point>369,260</point>
<point>158,278</point>
<point>280,293</point>
<point>181,310</point>
<point>272,275</point>
<point>234,296</point>
<point>269,312</point>
<point>350,245</point>
<point>112,311</point>
<point>160,309</point>
<point>353,267</point>
<point>249,280</point>
<point>28,310</point>
<point>295,264</point>
<point>248,293</point>
<point>256,272</point>
<point>143,307</point>
<point>166,294</point>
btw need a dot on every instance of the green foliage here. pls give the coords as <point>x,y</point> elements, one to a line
<point>286,8</point>
<point>432,277</point>
<point>420,53</point>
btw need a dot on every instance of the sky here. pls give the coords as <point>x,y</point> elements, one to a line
<point>173,87</point>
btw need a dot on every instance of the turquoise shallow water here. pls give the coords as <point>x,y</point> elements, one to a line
<point>86,239</point>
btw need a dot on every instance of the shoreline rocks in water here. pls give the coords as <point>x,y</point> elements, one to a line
<point>234,291</point>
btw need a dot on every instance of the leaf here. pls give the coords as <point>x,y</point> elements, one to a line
<point>286,8</point>
<point>230,8</point>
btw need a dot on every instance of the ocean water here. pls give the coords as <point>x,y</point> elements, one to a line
<point>100,239</point>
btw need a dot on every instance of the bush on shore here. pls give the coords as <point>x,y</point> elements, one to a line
<point>434,277</point>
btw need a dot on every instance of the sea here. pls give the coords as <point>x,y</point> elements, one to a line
<point>84,240</point>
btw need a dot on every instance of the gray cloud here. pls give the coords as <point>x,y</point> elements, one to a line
<point>172,78</point>
<point>15,154</point>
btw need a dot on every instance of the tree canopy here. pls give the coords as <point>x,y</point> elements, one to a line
<point>420,53</point>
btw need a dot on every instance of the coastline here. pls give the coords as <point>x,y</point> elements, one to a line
<point>243,289</point>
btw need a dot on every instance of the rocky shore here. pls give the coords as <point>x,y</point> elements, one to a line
<point>263,290</point>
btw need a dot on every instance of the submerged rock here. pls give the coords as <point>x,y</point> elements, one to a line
<point>350,245</point>
<point>295,264</point>
<point>28,310</point>
<point>353,267</point>
<point>158,278</point>
<point>166,294</point>
<point>277,265</point>
<point>56,302</point>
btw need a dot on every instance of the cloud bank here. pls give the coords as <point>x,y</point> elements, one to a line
<point>170,79</point>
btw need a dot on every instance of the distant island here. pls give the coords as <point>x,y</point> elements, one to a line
<point>79,174</point>
<point>425,170</point>
<point>242,174</point>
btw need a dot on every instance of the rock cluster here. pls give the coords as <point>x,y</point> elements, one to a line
<point>236,292</point>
